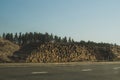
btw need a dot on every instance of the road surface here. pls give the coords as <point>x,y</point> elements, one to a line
<point>71,71</point>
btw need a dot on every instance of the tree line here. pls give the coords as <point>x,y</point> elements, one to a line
<point>66,52</point>
<point>33,37</point>
<point>39,47</point>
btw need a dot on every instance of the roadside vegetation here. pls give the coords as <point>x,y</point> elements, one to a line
<point>7,49</point>
<point>44,48</point>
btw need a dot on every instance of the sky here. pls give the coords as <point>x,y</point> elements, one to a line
<point>94,20</point>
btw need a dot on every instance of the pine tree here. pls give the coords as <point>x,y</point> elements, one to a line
<point>56,38</point>
<point>20,41</point>
<point>16,38</point>
<point>9,36</point>
<point>69,40</point>
<point>4,36</point>
<point>65,39</point>
<point>51,37</point>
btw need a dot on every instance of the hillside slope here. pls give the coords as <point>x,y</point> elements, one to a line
<point>66,52</point>
<point>7,49</point>
<point>38,52</point>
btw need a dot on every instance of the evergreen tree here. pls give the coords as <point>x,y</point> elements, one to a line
<point>65,39</point>
<point>9,36</point>
<point>59,39</point>
<point>51,37</point>
<point>35,36</point>
<point>56,38</point>
<point>30,37</point>
<point>47,37</point>
<point>69,40</point>
<point>16,38</point>
<point>73,41</point>
<point>4,36</point>
<point>20,41</point>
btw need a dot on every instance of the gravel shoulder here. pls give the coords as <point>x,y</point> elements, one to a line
<point>56,64</point>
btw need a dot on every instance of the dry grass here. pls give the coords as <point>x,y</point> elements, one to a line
<point>7,49</point>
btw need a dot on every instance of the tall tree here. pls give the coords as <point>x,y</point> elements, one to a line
<point>56,38</point>
<point>51,37</point>
<point>20,41</point>
<point>69,40</point>
<point>4,36</point>
<point>47,37</point>
<point>65,39</point>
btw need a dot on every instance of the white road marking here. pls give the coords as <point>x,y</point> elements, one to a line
<point>16,66</point>
<point>43,72</point>
<point>116,72</point>
<point>116,68</point>
<point>86,70</point>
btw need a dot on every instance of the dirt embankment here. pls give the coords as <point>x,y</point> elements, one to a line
<point>7,49</point>
<point>57,52</point>
<point>64,52</point>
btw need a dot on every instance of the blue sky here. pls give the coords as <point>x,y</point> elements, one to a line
<point>95,20</point>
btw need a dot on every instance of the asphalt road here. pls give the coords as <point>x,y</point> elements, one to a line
<point>60,71</point>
